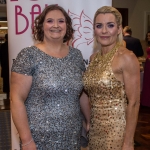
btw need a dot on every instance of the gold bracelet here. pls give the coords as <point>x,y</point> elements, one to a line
<point>27,143</point>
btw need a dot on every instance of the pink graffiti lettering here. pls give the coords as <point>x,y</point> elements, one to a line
<point>35,10</point>
<point>33,13</point>
<point>83,27</point>
<point>18,12</point>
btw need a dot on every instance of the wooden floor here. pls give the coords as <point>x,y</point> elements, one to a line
<point>142,134</point>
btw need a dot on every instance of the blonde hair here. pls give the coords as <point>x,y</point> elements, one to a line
<point>116,13</point>
<point>128,30</point>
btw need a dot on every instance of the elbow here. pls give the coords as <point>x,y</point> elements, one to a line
<point>135,104</point>
<point>16,101</point>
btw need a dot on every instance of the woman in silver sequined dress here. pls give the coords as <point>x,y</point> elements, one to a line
<point>46,84</point>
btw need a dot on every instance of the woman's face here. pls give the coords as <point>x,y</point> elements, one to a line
<point>54,25</point>
<point>106,29</point>
<point>148,36</point>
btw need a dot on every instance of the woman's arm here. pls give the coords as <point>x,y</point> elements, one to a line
<point>85,107</point>
<point>131,77</point>
<point>20,87</point>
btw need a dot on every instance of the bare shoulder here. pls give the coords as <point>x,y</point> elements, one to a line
<point>127,57</point>
<point>125,53</point>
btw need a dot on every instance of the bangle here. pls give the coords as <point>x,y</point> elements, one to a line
<point>27,143</point>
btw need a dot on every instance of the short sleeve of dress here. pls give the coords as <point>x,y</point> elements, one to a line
<point>81,60</point>
<point>23,64</point>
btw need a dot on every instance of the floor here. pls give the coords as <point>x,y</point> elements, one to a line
<point>142,134</point>
<point>5,132</point>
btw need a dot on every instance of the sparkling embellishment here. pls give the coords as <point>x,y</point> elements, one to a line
<point>108,104</point>
<point>53,106</point>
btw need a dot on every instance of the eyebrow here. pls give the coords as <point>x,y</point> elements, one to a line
<point>58,18</point>
<point>107,23</point>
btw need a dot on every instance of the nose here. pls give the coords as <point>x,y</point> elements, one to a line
<point>55,24</point>
<point>104,29</point>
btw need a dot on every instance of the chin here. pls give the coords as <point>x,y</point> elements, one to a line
<point>105,43</point>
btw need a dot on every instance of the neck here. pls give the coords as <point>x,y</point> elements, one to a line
<point>53,45</point>
<point>127,34</point>
<point>106,49</point>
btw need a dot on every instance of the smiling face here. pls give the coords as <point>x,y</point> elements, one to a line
<point>54,25</point>
<point>106,29</point>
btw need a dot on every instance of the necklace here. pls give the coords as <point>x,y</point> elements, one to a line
<point>102,60</point>
<point>109,55</point>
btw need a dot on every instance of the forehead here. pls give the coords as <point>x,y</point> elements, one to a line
<point>107,17</point>
<point>55,14</point>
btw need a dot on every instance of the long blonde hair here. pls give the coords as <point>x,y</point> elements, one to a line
<point>116,13</point>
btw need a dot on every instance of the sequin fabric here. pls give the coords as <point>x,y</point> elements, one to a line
<point>53,106</point>
<point>108,105</point>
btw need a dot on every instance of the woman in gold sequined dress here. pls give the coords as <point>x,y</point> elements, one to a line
<point>112,82</point>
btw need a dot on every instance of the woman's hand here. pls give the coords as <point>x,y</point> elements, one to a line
<point>30,146</point>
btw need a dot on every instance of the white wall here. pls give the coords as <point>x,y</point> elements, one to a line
<point>136,14</point>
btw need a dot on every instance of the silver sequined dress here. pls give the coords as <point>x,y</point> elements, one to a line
<point>52,105</point>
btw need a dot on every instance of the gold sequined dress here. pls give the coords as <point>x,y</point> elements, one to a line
<point>108,104</point>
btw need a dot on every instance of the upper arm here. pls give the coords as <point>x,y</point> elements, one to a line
<point>20,86</point>
<point>21,75</point>
<point>84,96</point>
<point>131,77</point>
